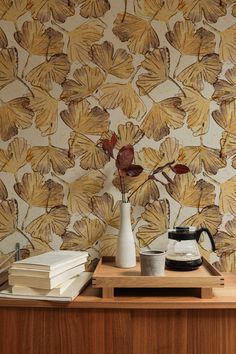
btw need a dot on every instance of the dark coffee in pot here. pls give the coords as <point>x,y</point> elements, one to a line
<point>183,265</point>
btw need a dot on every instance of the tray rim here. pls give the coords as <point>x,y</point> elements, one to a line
<point>213,280</point>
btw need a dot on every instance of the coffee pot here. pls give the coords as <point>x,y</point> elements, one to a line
<point>182,249</point>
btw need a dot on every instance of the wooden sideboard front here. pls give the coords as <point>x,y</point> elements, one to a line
<point>127,324</point>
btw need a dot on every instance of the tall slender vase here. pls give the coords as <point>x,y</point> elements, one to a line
<point>125,251</point>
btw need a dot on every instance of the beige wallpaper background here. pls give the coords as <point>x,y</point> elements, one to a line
<point>161,75</point>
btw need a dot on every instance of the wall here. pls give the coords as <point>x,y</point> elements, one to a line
<point>161,75</point>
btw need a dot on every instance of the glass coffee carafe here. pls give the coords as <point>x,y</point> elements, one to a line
<point>182,250</point>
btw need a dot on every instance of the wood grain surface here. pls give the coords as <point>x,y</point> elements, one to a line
<point>223,298</point>
<point>100,331</point>
<point>135,324</point>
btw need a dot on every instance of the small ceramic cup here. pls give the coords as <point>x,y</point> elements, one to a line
<point>152,263</point>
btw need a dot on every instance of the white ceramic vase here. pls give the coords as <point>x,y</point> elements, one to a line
<point>125,251</point>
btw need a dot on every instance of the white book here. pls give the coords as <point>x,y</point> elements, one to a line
<point>69,294</point>
<point>45,283</point>
<point>57,291</point>
<point>45,273</point>
<point>51,260</point>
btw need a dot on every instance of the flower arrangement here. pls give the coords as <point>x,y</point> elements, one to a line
<point>124,161</point>
<point>125,166</point>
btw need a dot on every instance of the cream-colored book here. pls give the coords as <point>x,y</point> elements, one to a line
<point>57,291</point>
<point>53,260</point>
<point>69,294</point>
<point>45,273</point>
<point>45,283</point>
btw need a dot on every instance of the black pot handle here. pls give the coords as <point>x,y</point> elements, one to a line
<point>202,229</point>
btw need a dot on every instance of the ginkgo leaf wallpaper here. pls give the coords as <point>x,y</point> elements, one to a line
<point>161,75</point>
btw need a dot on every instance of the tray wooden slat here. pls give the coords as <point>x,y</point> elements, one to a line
<point>108,277</point>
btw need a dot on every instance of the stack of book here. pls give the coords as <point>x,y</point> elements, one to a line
<point>57,275</point>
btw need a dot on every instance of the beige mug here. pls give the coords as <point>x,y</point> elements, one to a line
<point>152,263</point>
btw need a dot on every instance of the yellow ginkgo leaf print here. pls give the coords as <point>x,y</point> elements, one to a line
<point>124,96</point>
<point>82,38</point>
<point>91,155</point>
<point>43,158</point>
<point>4,7</point>
<point>39,247</point>
<point>105,209</point>
<point>128,134</point>
<point>227,262</point>
<point>107,245</point>
<point>139,33</point>
<point>208,217</point>
<point>82,189</point>
<point>94,8</point>
<point>83,119</point>
<point>199,157</point>
<point>227,199</point>
<point>157,63</point>
<point>59,9</point>
<point>6,260</point>
<point>156,9</point>
<point>8,66</point>
<point>149,158</point>
<point>226,90</point>
<point>36,39</point>
<point>228,146</point>
<point>234,159</point>
<point>225,245</point>
<point>118,64</point>
<point>35,191</point>
<point>190,192</point>
<point>3,39</point>
<point>194,9</point>
<point>188,41</point>
<point>78,2</point>
<point>53,70</point>
<point>8,217</point>
<point>163,115</point>
<point>87,81</point>
<point>3,191</point>
<point>233,2</point>
<point>226,241</point>
<point>227,47</point>
<point>14,114</point>
<point>52,222</point>
<point>152,159</point>
<point>87,233</point>
<point>206,69</point>
<point>157,215</point>
<point>46,110</point>
<point>225,117</point>
<point>197,107</point>
<point>17,9</point>
<point>169,150</point>
<point>12,159</point>
<point>142,189</point>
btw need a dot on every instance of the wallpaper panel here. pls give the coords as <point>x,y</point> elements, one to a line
<point>81,79</point>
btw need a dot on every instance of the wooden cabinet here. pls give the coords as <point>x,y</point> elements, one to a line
<point>124,325</point>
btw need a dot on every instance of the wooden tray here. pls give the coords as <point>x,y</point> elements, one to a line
<point>108,277</point>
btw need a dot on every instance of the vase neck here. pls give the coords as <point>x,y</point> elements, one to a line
<point>125,211</point>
